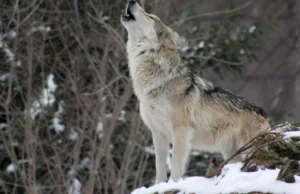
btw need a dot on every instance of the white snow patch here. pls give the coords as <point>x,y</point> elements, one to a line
<point>4,76</point>
<point>56,122</point>
<point>231,180</point>
<point>109,115</point>
<point>57,126</point>
<point>47,97</point>
<point>9,54</point>
<point>105,18</point>
<point>2,125</point>
<point>242,51</point>
<point>40,29</point>
<point>18,63</point>
<point>75,187</point>
<point>12,34</point>
<point>290,134</point>
<point>169,160</point>
<point>150,150</point>
<point>196,153</point>
<point>185,48</point>
<point>11,168</point>
<point>73,134</point>
<point>252,29</point>
<point>122,116</point>
<point>201,44</point>
<point>99,129</point>
<point>51,84</point>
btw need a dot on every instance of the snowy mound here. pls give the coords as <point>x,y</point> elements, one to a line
<point>231,180</point>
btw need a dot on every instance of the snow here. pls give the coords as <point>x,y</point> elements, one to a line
<point>47,97</point>
<point>201,44</point>
<point>19,63</point>
<point>290,134</point>
<point>109,115</point>
<point>73,135</point>
<point>12,34</point>
<point>231,180</point>
<point>122,116</point>
<point>3,125</point>
<point>105,18</point>
<point>56,123</point>
<point>40,29</point>
<point>57,126</point>
<point>75,187</point>
<point>169,160</point>
<point>9,54</point>
<point>99,129</point>
<point>150,150</point>
<point>4,76</point>
<point>50,83</point>
<point>185,48</point>
<point>252,29</point>
<point>11,168</point>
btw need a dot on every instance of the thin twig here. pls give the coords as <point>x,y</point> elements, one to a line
<point>227,11</point>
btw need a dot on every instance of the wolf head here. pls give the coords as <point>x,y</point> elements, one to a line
<point>142,26</point>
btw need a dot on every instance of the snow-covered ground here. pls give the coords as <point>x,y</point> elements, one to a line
<point>230,180</point>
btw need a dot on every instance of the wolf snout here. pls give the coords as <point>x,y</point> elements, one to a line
<point>131,2</point>
<point>129,16</point>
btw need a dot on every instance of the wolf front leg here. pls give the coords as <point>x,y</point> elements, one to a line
<point>161,146</point>
<point>181,150</point>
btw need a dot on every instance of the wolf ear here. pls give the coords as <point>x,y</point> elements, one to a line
<point>179,41</point>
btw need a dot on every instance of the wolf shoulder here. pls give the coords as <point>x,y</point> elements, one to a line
<point>217,96</point>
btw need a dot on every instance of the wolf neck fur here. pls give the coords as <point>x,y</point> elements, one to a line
<point>154,69</point>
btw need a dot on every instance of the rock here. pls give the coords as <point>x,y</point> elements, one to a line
<point>213,168</point>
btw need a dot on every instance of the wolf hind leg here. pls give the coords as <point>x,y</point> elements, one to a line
<point>228,153</point>
<point>230,150</point>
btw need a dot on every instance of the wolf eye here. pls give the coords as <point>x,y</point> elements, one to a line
<point>151,17</point>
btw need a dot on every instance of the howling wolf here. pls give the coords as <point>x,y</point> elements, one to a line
<point>178,106</point>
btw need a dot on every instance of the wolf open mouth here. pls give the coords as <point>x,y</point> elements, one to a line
<point>129,16</point>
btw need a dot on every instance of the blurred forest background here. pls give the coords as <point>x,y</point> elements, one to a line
<point>69,122</point>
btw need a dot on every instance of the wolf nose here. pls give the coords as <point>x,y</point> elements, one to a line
<point>131,2</point>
